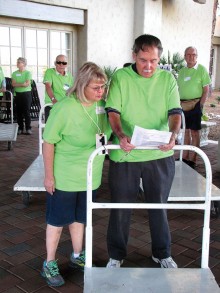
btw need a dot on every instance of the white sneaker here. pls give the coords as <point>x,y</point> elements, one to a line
<point>166,262</point>
<point>29,132</point>
<point>114,263</point>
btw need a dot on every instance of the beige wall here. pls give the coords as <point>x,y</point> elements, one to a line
<point>111,26</point>
<point>216,68</point>
<point>186,23</point>
<point>107,36</point>
<point>216,57</point>
<point>153,13</point>
<point>110,31</point>
<point>179,24</point>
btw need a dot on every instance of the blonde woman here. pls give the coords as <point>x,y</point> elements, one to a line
<point>69,139</point>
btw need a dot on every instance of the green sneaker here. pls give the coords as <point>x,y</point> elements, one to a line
<point>78,262</point>
<point>50,272</point>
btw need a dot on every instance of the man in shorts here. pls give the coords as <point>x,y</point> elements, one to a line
<point>193,81</point>
<point>57,81</point>
<point>143,95</point>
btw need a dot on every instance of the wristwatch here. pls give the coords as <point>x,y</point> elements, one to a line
<point>53,98</point>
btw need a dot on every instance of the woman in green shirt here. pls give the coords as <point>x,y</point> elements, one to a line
<point>69,139</point>
<point>21,81</point>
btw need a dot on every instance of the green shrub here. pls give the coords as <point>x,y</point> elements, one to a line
<point>109,73</point>
<point>176,61</point>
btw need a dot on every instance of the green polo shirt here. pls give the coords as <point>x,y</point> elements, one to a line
<point>21,77</point>
<point>73,132</point>
<point>191,82</point>
<point>2,80</point>
<point>144,102</point>
<point>59,83</point>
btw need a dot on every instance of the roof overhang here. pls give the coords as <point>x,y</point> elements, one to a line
<point>43,12</point>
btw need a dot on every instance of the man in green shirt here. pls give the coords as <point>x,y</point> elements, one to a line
<point>193,81</point>
<point>57,81</point>
<point>143,95</point>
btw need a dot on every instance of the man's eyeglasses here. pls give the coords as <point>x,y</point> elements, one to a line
<point>61,62</point>
<point>98,88</point>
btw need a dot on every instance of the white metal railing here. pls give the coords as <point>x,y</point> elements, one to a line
<point>198,206</point>
<point>41,126</point>
<point>183,130</point>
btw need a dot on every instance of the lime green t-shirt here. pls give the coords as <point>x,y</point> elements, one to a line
<point>59,83</point>
<point>2,78</point>
<point>21,77</point>
<point>73,132</point>
<point>191,82</point>
<point>144,102</point>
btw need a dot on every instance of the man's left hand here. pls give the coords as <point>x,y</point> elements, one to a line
<point>170,145</point>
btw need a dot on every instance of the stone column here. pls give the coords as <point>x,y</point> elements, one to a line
<point>147,17</point>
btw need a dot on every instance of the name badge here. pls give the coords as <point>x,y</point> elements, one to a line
<point>101,140</point>
<point>187,78</point>
<point>100,110</point>
<point>66,87</point>
<point>18,74</point>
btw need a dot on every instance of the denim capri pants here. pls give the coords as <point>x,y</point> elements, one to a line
<point>64,207</point>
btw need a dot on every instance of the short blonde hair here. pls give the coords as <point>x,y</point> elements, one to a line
<point>23,60</point>
<point>88,72</point>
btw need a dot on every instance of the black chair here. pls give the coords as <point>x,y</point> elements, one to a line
<point>5,107</point>
<point>35,106</point>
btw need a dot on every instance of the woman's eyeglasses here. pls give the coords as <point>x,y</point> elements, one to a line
<point>61,62</point>
<point>98,88</point>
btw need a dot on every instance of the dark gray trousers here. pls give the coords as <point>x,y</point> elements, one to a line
<point>124,181</point>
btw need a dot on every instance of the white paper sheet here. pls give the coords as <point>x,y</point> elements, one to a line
<point>149,137</point>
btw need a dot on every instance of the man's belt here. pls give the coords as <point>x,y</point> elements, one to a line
<point>190,99</point>
<point>188,105</point>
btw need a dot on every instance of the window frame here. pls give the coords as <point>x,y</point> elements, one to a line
<point>24,47</point>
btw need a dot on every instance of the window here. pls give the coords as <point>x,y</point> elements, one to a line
<point>36,52</point>
<point>60,44</point>
<point>10,48</point>
<point>39,46</point>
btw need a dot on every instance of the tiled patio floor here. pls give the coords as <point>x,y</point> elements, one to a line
<point>22,229</point>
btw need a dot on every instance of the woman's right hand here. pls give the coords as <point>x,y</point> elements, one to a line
<point>26,83</point>
<point>49,184</point>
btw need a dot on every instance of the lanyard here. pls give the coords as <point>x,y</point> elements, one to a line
<point>96,124</point>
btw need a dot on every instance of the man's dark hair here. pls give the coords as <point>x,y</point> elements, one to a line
<point>144,41</point>
<point>127,64</point>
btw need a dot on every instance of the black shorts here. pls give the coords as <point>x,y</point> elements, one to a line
<point>193,117</point>
<point>65,208</point>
